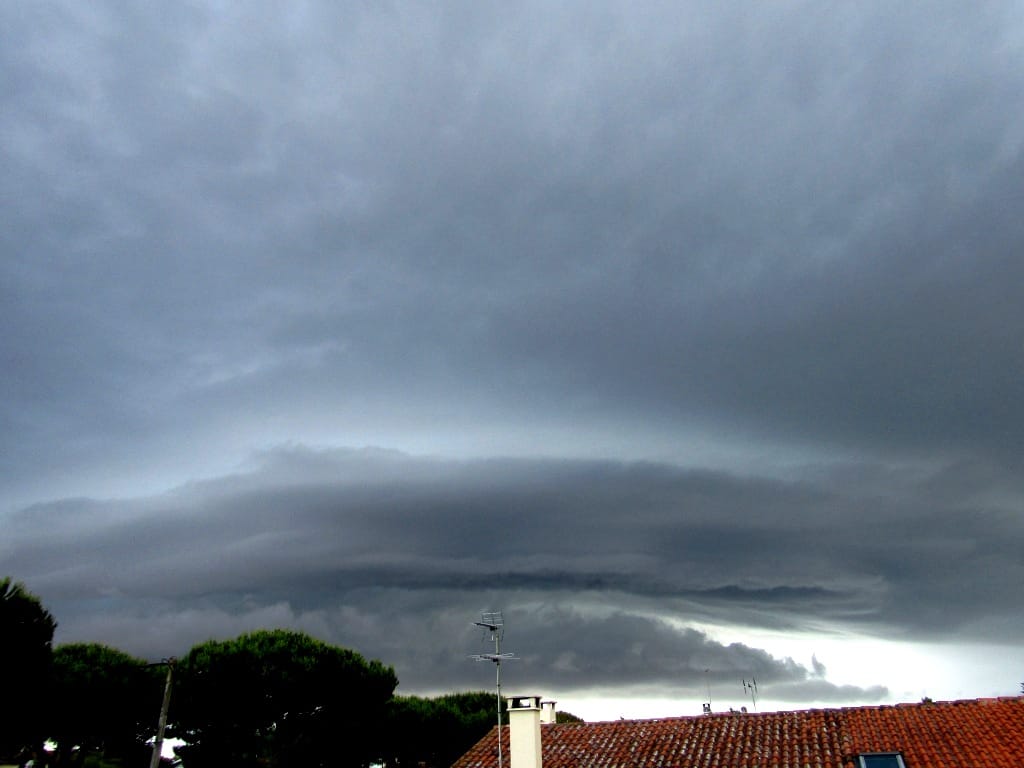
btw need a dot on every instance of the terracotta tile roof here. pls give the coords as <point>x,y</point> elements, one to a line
<point>987,733</point>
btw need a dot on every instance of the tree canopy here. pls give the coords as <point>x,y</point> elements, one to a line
<point>270,698</point>
<point>26,637</point>
<point>102,702</point>
<point>434,732</point>
<point>567,717</point>
<point>278,698</point>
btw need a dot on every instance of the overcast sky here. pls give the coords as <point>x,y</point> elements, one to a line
<point>688,335</point>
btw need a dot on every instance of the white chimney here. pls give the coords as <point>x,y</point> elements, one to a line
<point>524,731</point>
<point>547,712</point>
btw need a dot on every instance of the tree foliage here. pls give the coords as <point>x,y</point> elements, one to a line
<point>567,717</point>
<point>278,698</point>
<point>103,703</point>
<point>434,732</point>
<point>271,698</point>
<point>26,637</point>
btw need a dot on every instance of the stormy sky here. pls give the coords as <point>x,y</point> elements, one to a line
<point>688,335</point>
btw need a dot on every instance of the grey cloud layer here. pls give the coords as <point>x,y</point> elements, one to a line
<point>778,240</point>
<point>773,223</point>
<point>366,546</point>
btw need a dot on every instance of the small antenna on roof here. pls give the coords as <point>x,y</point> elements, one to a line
<point>707,684</point>
<point>493,625</point>
<point>750,689</point>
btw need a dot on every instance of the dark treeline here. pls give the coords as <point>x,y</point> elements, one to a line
<point>271,698</point>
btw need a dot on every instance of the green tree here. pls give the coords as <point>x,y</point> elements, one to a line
<point>434,732</point>
<point>26,637</point>
<point>278,698</point>
<point>567,717</point>
<point>103,703</point>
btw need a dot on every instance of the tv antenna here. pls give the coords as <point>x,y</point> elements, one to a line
<point>707,684</point>
<point>750,689</point>
<point>494,625</point>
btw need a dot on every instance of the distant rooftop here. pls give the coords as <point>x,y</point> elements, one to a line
<point>982,733</point>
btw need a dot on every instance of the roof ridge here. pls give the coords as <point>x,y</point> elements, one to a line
<point>957,732</point>
<point>775,712</point>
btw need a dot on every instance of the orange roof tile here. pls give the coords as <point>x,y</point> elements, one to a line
<point>988,733</point>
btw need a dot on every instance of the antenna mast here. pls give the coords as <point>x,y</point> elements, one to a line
<point>751,690</point>
<point>707,684</point>
<point>493,624</point>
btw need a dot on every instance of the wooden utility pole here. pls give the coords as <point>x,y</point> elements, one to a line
<point>158,743</point>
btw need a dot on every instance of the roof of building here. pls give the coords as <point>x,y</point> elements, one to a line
<point>975,732</point>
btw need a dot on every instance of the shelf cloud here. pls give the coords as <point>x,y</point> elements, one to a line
<point>643,320</point>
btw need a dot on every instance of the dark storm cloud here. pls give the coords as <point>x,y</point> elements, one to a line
<point>778,240</point>
<point>396,555</point>
<point>771,223</point>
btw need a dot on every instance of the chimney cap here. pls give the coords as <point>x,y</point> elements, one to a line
<point>524,702</point>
